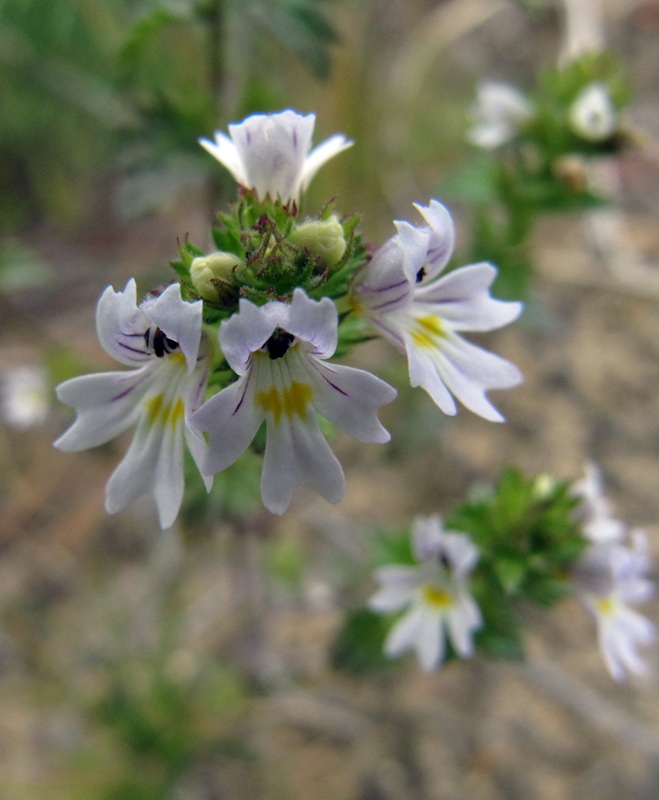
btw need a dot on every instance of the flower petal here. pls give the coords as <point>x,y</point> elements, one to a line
<point>121,325</point>
<point>405,633</point>
<point>414,244</point>
<point>178,319</point>
<point>427,537</point>
<point>461,299</point>
<point>231,419</point>
<point>312,321</point>
<point>467,371</point>
<point>272,148</point>
<point>244,333</point>
<point>462,621</point>
<point>226,152</point>
<point>442,237</point>
<point>146,462</point>
<point>382,286</point>
<point>107,403</point>
<point>430,645</point>
<point>296,454</point>
<point>349,398</point>
<point>398,586</point>
<point>320,155</point>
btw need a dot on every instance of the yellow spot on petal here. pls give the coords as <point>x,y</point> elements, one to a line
<point>436,597</point>
<point>160,412</point>
<point>293,400</point>
<point>428,331</point>
<point>605,605</point>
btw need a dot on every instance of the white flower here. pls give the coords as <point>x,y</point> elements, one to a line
<point>161,338</point>
<point>595,512</point>
<point>270,153</point>
<point>498,115</point>
<point>435,595</point>
<point>592,115</point>
<point>609,578</point>
<point>403,294</point>
<point>279,351</point>
<point>24,393</point>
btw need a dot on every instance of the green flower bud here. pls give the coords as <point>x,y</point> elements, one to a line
<point>323,238</point>
<point>210,272</point>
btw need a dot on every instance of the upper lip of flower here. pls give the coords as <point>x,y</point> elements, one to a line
<point>270,153</point>
<point>123,325</point>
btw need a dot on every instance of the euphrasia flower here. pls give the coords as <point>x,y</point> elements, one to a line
<point>498,115</point>
<point>423,313</point>
<point>592,115</point>
<point>435,594</point>
<point>610,579</point>
<point>271,153</point>
<point>162,339</point>
<point>280,353</point>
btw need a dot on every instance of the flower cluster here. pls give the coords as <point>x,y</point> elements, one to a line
<point>530,541</point>
<point>435,595</point>
<point>246,338</point>
<point>545,139</point>
<point>611,577</point>
<point>577,107</point>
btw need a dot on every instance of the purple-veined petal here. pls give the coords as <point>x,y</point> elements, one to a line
<point>312,321</point>
<point>107,403</point>
<point>414,243</point>
<point>349,399</point>
<point>442,238</point>
<point>272,149</point>
<point>382,286</point>
<point>269,153</point>
<point>461,299</point>
<point>231,419</point>
<point>121,326</point>
<point>244,333</point>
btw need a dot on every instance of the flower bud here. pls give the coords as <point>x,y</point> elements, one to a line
<point>208,272</point>
<point>593,115</point>
<point>322,238</point>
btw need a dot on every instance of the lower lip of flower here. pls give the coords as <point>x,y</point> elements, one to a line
<point>427,332</point>
<point>435,597</point>
<point>293,400</point>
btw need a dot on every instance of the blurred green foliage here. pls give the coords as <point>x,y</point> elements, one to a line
<point>92,87</point>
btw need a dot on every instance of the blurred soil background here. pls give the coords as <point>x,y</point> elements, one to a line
<point>193,664</point>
